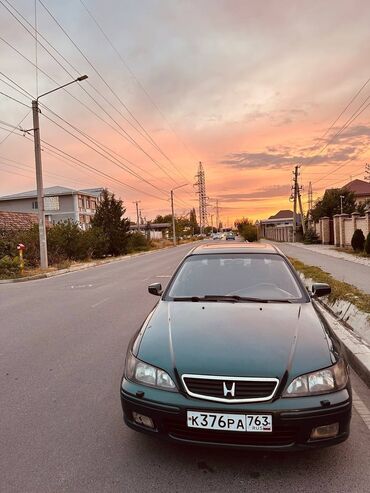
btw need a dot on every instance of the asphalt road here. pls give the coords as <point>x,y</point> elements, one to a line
<point>62,347</point>
<point>343,270</point>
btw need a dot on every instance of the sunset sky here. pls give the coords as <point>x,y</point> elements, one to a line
<point>247,87</point>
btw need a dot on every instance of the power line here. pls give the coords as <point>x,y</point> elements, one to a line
<point>85,165</point>
<point>345,109</point>
<point>149,138</point>
<point>120,165</point>
<point>125,134</point>
<point>14,99</point>
<point>139,83</point>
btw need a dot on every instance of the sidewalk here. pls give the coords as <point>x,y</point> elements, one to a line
<point>342,266</point>
<point>332,252</point>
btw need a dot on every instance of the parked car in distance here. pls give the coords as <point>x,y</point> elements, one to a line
<point>237,354</point>
<point>230,236</point>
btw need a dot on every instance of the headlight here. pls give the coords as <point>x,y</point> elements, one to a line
<point>319,382</point>
<point>147,374</point>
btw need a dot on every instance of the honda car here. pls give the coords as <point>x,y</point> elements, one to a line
<point>236,353</point>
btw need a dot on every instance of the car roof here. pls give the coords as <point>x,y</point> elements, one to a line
<point>234,247</point>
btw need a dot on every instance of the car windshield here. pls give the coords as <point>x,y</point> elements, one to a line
<point>235,277</point>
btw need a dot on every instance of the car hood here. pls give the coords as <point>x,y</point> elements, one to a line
<point>236,339</point>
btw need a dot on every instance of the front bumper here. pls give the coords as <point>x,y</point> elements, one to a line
<point>292,419</point>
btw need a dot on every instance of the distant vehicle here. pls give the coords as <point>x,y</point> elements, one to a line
<point>230,236</point>
<point>217,236</point>
<point>236,354</point>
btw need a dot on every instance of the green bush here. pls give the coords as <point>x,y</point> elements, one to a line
<point>95,243</point>
<point>137,242</point>
<point>311,237</point>
<point>358,240</point>
<point>9,267</point>
<point>367,244</point>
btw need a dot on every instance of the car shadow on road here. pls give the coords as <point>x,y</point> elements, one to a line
<point>231,463</point>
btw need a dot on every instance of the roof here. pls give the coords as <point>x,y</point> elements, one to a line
<point>283,214</point>
<point>52,191</point>
<point>358,187</point>
<point>17,220</point>
<point>233,247</point>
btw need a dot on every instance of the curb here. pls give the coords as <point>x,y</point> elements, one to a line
<point>90,265</point>
<point>357,351</point>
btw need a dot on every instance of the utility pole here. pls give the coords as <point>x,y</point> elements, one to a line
<point>217,216</point>
<point>39,178</point>
<point>173,214</point>
<point>294,189</point>
<point>367,172</point>
<point>341,203</point>
<point>137,202</point>
<point>40,186</point>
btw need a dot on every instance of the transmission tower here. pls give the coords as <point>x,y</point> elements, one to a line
<point>201,191</point>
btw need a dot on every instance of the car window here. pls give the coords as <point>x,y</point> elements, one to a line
<point>262,276</point>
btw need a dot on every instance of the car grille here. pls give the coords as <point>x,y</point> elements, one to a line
<point>225,389</point>
<point>280,436</point>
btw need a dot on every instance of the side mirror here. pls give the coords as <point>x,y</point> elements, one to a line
<point>155,289</point>
<point>320,289</point>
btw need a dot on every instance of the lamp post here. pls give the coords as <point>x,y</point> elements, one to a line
<point>341,203</point>
<point>39,179</point>
<point>173,214</point>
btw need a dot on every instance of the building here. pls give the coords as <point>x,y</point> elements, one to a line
<point>155,231</point>
<point>360,188</point>
<point>61,204</point>
<point>13,221</point>
<point>278,227</point>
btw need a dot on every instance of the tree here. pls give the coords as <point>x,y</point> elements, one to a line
<point>193,222</point>
<point>246,229</point>
<point>358,240</point>
<point>329,204</point>
<point>109,218</point>
<point>362,207</point>
<point>367,244</point>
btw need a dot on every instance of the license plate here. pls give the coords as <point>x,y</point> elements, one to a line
<point>230,422</point>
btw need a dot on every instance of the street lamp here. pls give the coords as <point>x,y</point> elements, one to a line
<point>173,213</point>
<point>39,179</point>
<point>341,203</point>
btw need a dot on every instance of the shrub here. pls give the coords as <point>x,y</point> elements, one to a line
<point>9,267</point>
<point>65,242</point>
<point>367,244</point>
<point>358,240</point>
<point>311,237</point>
<point>137,242</point>
<point>95,243</point>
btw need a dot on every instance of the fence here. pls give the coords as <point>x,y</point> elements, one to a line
<point>340,229</point>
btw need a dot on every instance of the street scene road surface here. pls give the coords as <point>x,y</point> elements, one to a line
<point>62,347</point>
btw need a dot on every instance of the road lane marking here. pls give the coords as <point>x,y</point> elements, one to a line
<point>361,408</point>
<point>99,302</point>
<point>163,276</point>
<point>81,286</point>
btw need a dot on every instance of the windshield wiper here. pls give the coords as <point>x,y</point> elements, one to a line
<point>232,298</point>
<point>215,297</point>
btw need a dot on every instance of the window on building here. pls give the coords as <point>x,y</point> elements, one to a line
<point>93,204</point>
<point>87,202</point>
<point>35,205</point>
<point>80,202</point>
<point>82,218</point>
